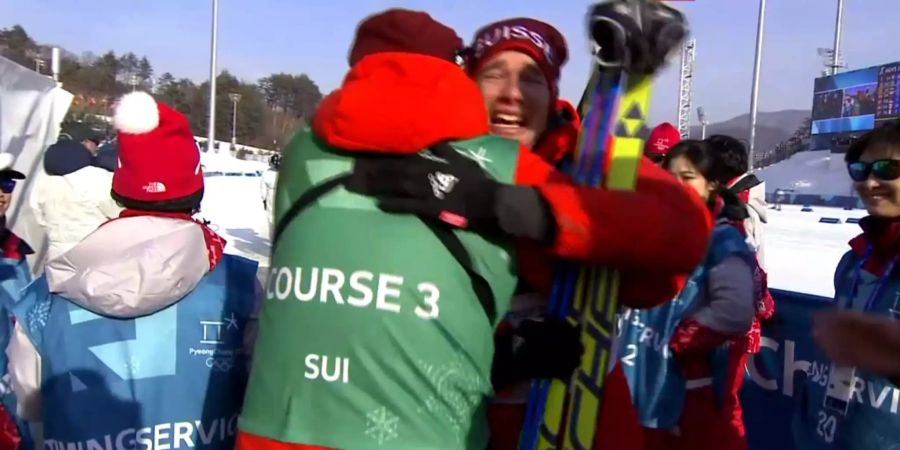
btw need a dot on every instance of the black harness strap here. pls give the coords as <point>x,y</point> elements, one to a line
<point>479,284</point>
<point>308,198</point>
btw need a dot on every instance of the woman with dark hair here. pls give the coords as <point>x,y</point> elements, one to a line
<point>860,334</point>
<point>682,358</point>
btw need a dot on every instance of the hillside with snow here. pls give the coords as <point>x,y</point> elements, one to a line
<point>772,127</point>
<point>811,174</point>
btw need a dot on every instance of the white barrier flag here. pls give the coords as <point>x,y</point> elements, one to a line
<point>32,107</point>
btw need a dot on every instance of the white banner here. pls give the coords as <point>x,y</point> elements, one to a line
<point>32,107</point>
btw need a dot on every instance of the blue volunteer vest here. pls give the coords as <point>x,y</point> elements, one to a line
<point>871,420</point>
<point>171,379</point>
<point>14,277</point>
<point>656,383</point>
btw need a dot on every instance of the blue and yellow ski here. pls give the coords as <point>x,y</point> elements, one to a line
<point>614,127</point>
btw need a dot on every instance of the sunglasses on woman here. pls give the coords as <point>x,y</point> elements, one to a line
<point>883,169</point>
<point>7,186</point>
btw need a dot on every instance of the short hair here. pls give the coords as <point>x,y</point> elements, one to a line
<point>887,135</point>
<point>733,156</point>
<point>699,153</point>
<point>708,161</point>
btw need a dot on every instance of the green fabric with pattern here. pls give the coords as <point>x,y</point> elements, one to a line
<point>371,335</point>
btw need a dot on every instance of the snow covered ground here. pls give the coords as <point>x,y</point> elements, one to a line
<point>233,204</point>
<point>801,253</point>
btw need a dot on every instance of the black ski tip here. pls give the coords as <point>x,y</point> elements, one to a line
<point>635,112</point>
<point>644,133</point>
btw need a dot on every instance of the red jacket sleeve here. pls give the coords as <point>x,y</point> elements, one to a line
<point>661,226</point>
<point>656,235</point>
<point>645,290</point>
<point>692,337</point>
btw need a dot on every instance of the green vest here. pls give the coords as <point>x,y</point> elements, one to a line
<point>371,335</point>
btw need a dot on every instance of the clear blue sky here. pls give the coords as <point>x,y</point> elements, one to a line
<point>258,37</point>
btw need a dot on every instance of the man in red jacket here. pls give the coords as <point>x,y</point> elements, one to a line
<point>517,64</point>
<point>655,235</point>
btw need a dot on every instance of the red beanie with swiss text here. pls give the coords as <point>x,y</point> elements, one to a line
<point>539,40</point>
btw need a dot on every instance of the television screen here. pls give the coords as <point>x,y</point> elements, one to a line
<point>845,102</point>
<point>888,92</point>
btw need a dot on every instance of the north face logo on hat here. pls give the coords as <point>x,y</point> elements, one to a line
<point>506,32</point>
<point>154,187</point>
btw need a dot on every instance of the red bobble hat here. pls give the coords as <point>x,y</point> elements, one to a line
<point>662,139</point>
<point>159,161</point>
<point>539,40</point>
<point>401,30</point>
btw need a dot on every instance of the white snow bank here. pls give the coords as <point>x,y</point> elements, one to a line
<point>232,202</point>
<point>809,172</point>
<point>214,162</point>
<point>801,253</point>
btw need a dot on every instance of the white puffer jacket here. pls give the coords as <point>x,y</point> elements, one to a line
<point>70,207</point>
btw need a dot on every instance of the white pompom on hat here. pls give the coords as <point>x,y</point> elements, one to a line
<point>136,113</point>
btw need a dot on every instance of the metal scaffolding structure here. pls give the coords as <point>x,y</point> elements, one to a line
<point>686,87</point>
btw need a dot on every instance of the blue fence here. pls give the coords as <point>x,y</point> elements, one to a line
<point>839,201</point>
<point>788,356</point>
<point>254,173</point>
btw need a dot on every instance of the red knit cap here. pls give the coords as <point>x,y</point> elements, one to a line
<point>662,139</point>
<point>400,30</point>
<point>158,158</point>
<point>539,40</point>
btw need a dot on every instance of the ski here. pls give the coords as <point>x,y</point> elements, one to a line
<point>614,127</point>
<point>544,416</point>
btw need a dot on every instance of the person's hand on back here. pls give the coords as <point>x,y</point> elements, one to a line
<point>871,343</point>
<point>441,185</point>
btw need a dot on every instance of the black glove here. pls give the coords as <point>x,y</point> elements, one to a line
<point>447,186</point>
<point>441,185</point>
<point>549,348</point>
